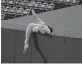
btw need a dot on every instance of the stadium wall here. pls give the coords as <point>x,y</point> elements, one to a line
<point>57,49</point>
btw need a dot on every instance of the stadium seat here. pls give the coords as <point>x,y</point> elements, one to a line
<point>21,9</point>
<point>74,2</point>
<point>2,16</point>
<point>15,8</point>
<point>37,5</point>
<point>25,1</point>
<point>55,1</point>
<point>2,8</point>
<point>80,2</point>
<point>44,5</point>
<point>19,0</point>
<point>12,13</point>
<point>22,4</point>
<point>61,4</point>
<point>67,2</point>
<point>4,3</point>
<point>11,3</point>
<point>60,1</point>
<point>19,13</point>
<point>33,2</point>
<point>48,1</point>
<point>25,13</point>
<point>30,5</point>
<point>6,10</point>
<point>50,7</point>
<point>17,3</point>
<point>28,10</point>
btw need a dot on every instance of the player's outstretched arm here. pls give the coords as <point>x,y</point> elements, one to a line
<point>28,33</point>
<point>27,36</point>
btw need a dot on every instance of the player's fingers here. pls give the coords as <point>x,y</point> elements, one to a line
<point>24,51</point>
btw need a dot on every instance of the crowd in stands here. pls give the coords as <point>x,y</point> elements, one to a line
<point>18,8</point>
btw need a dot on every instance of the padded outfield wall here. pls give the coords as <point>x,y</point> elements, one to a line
<point>55,48</point>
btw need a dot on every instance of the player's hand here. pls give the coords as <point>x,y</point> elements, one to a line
<point>25,48</point>
<point>24,51</point>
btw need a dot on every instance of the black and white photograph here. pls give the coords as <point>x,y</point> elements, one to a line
<point>41,31</point>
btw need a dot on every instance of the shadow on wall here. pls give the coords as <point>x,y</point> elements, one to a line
<point>56,49</point>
